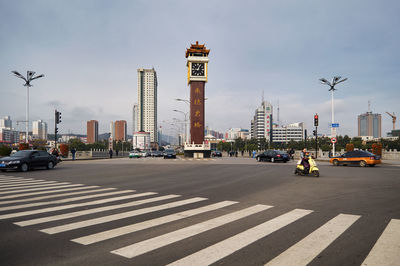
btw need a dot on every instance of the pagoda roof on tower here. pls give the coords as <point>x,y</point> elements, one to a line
<point>197,49</point>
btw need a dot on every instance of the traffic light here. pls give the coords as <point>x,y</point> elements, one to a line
<point>58,117</point>
<point>56,130</point>
<point>315,120</point>
<point>314,132</point>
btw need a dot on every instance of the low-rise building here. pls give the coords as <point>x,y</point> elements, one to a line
<point>288,133</point>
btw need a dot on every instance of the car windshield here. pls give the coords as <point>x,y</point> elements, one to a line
<point>169,150</point>
<point>366,153</point>
<point>280,152</point>
<point>21,153</point>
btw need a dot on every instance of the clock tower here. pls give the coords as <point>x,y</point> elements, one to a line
<point>197,66</point>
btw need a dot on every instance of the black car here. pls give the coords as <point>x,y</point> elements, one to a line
<point>156,154</point>
<point>273,156</point>
<point>169,154</point>
<point>216,154</point>
<point>28,159</point>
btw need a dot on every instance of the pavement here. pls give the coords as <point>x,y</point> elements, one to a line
<point>220,211</point>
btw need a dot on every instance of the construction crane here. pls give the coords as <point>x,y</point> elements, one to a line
<point>393,119</point>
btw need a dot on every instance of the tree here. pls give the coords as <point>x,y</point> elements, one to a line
<point>78,145</point>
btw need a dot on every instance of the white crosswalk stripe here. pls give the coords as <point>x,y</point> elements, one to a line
<point>114,217</point>
<point>304,251</point>
<point>41,184</point>
<point>90,239</point>
<point>10,179</point>
<point>4,183</point>
<point>226,247</point>
<point>91,211</point>
<point>56,195</point>
<point>64,207</point>
<point>386,251</point>
<point>60,185</point>
<point>35,204</point>
<point>45,192</point>
<point>169,238</point>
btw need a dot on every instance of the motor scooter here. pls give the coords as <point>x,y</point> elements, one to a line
<point>313,169</point>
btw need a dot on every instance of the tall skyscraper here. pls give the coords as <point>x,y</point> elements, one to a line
<point>39,129</point>
<point>6,122</point>
<point>370,124</point>
<point>120,129</point>
<point>261,125</point>
<point>134,118</point>
<point>147,102</point>
<point>92,131</point>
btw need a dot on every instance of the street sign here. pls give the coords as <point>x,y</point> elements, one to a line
<point>333,140</point>
<point>335,124</point>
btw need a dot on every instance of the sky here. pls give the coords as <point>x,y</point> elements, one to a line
<point>89,52</point>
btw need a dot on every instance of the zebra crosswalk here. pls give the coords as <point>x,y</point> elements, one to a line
<point>50,206</point>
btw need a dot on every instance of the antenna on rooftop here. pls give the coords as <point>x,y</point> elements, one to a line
<point>278,114</point>
<point>262,96</point>
<point>369,106</point>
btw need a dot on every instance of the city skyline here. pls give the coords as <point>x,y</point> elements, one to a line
<point>90,59</point>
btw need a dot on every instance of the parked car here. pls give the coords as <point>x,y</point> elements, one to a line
<point>216,154</point>
<point>28,159</point>
<point>145,153</point>
<point>134,154</point>
<point>273,156</point>
<point>361,158</point>
<point>156,154</point>
<point>169,154</point>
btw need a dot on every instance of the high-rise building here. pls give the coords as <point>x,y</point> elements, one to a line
<point>92,131</point>
<point>261,125</point>
<point>370,124</point>
<point>120,130</point>
<point>147,102</point>
<point>6,122</point>
<point>134,118</point>
<point>39,129</point>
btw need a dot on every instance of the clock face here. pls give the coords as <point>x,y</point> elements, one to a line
<point>197,69</point>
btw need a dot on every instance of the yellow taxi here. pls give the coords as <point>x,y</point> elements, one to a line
<point>361,158</point>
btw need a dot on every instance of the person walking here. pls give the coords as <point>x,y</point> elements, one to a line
<point>116,153</point>
<point>110,152</point>
<point>73,151</point>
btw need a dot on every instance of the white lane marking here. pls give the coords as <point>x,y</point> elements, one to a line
<point>172,237</point>
<point>386,250</point>
<point>90,239</point>
<point>44,192</point>
<point>20,182</point>
<point>304,251</point>
<point>60,185</point>
<point>24,186</point>
<point>56,196</point>
<point>64,207</point>
<point>35,204</point>
<point>228,246</point>
<point>95,210</point>
<point>109,218</point>
<point>15,179</point>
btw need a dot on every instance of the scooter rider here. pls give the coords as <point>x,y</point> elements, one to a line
<point>304,160</point>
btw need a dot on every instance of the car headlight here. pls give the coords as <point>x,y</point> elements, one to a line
<point>14,162</point>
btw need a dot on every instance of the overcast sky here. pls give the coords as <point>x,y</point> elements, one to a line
<point>90,51</point>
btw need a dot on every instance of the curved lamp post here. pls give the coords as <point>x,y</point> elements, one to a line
<point>28,79</point>
<point>335,81</point>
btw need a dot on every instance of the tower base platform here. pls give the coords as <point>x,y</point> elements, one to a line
<point>197,151</point>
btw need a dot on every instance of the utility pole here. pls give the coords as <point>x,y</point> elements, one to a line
<point>316,134</point>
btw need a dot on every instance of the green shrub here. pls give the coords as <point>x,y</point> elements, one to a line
<point>5,150</point>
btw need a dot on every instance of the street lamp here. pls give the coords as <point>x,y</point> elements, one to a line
<point>28,79</point>
<point>335,81</point>
<point>183,100</point>
<point>185,114</point>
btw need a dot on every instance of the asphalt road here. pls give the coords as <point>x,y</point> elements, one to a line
<point>229,211</point>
